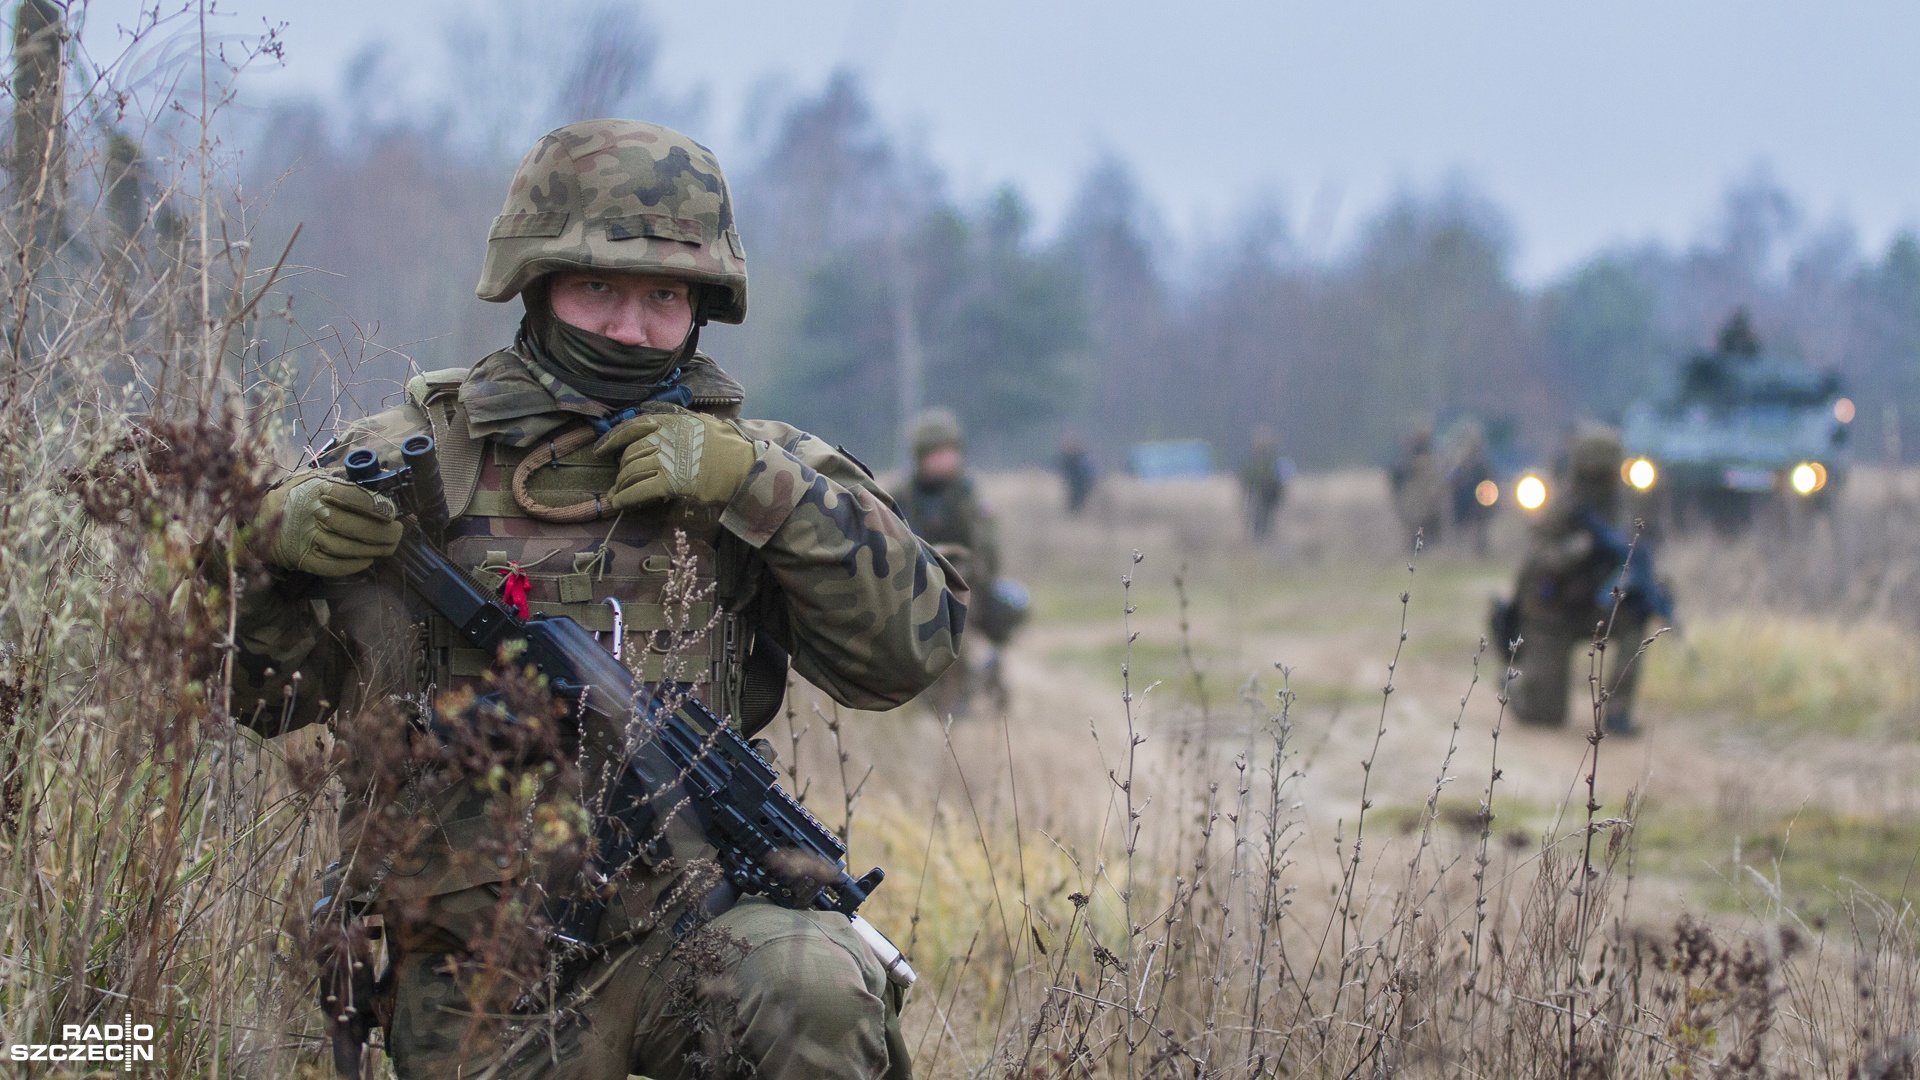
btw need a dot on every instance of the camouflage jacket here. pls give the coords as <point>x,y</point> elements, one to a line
<point>952,515</point>
<point>1419,488</point>
<point>810,556</point>
<point>1260,479</point>
<point>1564,569</point>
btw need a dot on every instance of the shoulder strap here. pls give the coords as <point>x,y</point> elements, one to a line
<point>437,393</point>
<point>426,386</point>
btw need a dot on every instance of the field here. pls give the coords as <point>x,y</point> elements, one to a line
<point>1767,804</point>
<point>1250,812</point>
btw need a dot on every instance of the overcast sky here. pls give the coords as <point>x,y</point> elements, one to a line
<point>1591,122</point>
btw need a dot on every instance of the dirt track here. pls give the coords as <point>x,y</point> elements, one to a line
<point>1323,598</point>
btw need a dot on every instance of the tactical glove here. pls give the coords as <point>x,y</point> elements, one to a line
<point>327,527</point>
<point>677,455</point>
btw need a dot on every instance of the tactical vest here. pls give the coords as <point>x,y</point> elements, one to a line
<point>642,580</point>
<point>939,515</point>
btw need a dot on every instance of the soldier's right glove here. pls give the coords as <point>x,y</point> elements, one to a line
<point>328,527</point>
<point>677,455</point>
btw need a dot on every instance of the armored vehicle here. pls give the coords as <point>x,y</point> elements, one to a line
<point>1742,431</point>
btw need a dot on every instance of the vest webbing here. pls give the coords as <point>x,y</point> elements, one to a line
<point>437,393</point>
<point>661,642</point>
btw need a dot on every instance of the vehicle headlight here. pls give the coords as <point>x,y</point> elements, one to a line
<point>1808,477</point>
<point>1530,492</point>
<point>1639,474</point>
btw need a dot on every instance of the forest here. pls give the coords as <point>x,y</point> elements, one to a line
<point>1112,324</point>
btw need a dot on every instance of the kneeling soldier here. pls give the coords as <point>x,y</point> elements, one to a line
<point>1585,579</point>
<point>587,464</point>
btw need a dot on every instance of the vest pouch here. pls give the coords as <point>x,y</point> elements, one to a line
<point>763,683</point>
<point>575,568</point>
<point>577,587</point>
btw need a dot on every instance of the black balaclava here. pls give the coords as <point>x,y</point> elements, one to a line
<point>597,365</point>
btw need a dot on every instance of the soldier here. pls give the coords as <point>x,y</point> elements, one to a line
<point>1470,470</point>
<point>1418,486</point>
<point>595,458</point>
<point>1077,472</point>
<point>1571,589</point>
<point>1262,486</point>
<point>939,502</point>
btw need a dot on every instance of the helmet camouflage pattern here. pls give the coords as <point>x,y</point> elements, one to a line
<point>620,195</point>
<point>1595,455</point>
<point>935,428</point>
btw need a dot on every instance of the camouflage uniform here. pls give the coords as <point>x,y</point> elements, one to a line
<point>1419,487</point>
<point>1261,486</point>
<point>809,560</point>
<point>1560,592</point>
<point>1471,468</point>
<point>1077,472</point>
<point>947,513</point>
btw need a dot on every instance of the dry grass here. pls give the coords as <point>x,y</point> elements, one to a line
<point>1798,673</point>
<point>1517,914</point>
<point>1172,858</point>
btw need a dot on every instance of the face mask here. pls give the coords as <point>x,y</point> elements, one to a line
<point>599,366</point>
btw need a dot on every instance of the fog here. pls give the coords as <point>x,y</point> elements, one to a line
<point>1132,224</point>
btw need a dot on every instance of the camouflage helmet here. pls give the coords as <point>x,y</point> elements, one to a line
<point>1593,467</point>
<point>620,195</point>
<point>1596,455</point>
<point>933,429</point>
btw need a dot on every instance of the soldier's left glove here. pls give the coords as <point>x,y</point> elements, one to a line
<point>326,526</point>
<point>677,455</point>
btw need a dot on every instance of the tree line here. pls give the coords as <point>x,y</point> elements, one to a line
<point>866,263</point>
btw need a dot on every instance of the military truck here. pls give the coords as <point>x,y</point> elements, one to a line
<point>1742,432</point>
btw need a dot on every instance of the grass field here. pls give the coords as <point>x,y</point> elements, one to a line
<point>1250,812</point>
<point>1770,791</point>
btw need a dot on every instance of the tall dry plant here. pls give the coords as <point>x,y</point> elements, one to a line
<point>148,849</point>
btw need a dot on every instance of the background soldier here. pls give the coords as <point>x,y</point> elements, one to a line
<point>1419,486</point>
<point>939,502</point>
<point>1262,486</point>
<point>1570,590</point>
<point>1471,468</point>
<point>601,454</point>
<point>1077,472</point>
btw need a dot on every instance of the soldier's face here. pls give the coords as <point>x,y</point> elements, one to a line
<point>941,463</point>
<point>632,309</point>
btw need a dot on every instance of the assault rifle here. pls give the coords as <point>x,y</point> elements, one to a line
<point>683,757</point>
<point>1639,590</point>
<point>1640,593</point>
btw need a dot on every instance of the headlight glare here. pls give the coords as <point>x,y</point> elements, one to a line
<point>1530,492</point>
<point>1808,477</point>
<point>1639,473</point>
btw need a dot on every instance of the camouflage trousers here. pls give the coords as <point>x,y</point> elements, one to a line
<point>762,991</point>
<point>1550,641</point>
